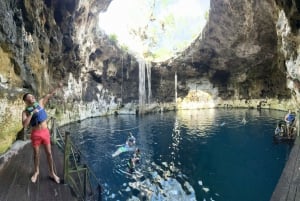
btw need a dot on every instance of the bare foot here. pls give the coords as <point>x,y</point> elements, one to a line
<point>55,178</point>
<point>34,177</point>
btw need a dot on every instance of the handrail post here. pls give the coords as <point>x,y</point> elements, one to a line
<point>66,156</point>
<point>298,125</point>
<point>54,131</point>
<point>85,182</point>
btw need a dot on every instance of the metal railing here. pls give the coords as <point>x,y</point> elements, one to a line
<point>79,176</point>
<point>298,122</point>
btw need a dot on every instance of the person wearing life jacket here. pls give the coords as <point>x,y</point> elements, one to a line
<point>289,119</point>
<point>35,116</point>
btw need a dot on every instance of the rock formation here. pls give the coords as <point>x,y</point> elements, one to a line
<point>248,55</point>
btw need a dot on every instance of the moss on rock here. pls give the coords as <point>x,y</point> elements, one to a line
<point>8,135</point>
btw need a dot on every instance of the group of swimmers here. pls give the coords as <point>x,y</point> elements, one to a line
<point>135,159</point>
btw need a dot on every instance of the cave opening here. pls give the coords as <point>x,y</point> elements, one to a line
<point>155,30</point>
<point>221,77</point>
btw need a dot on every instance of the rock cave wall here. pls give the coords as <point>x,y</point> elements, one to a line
<point>243,52</point>
<point>49,41</point>
<point>288,32</point>
<point>248,54</point>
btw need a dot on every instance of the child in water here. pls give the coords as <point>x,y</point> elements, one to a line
<point>134,160</point>
<point>131,165</point>
<point>137,155</point>
<point>279,130</point>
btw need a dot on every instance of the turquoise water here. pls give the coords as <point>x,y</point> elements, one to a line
<point>189,155</point>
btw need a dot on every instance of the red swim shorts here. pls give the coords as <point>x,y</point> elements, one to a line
<point>40,136</point>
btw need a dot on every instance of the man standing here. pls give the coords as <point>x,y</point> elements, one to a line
<point>289,119</point>
<point>36,116</point>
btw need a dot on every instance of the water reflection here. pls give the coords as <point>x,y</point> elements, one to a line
<point>197,122</point>
<point>176,137</point>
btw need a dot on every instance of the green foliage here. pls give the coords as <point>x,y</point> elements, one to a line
<point>169,20</point>
<point>182,46</point>
<point>206,15</point>
<point>169,26</point>
<point>8,135</point>
<point>148,54</point>
<point>113,38</point>
<point>161,53</point>
<point>125,48</point>
<point>165,3</point>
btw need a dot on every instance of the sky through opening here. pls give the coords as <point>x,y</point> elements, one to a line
<point>154,29</point>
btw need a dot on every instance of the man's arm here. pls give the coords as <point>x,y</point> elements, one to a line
<point>46,98</point>
<point>26,119</point>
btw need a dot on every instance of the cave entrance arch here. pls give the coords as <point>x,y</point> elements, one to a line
<point>155,29</point>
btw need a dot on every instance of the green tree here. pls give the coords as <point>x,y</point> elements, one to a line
<point>206,15</point>
<point>113,38</point>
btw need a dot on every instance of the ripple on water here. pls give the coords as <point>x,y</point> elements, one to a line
<point>188,155</point>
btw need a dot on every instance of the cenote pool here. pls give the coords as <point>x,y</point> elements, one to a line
<point>186,155</point>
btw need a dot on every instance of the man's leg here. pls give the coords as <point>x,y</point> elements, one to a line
<point>36,158</point>
<point>50,163</point>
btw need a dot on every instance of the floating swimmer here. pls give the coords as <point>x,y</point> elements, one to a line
<point>223,124</point>
<point>244,121</point>
<point>129,146</point>
<point>130,140</point>
<point>122,149</point>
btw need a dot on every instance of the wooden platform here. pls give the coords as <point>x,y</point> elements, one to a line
<point>15,183</point>
<point>288,187</point>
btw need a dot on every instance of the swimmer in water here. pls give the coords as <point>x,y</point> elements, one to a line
<point>244,121</point>
<point>131,165</point>
<point>222,124</point>
<point>137,156</point>
<point>130,140</point>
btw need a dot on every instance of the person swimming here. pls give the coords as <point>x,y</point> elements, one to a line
<point>128,146</point>
<point>279,130</point>
<point>130,140</point>
<point>131,165</point>
<point>137,155</point>
<point>244,121</point>
<point>134,160</point>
